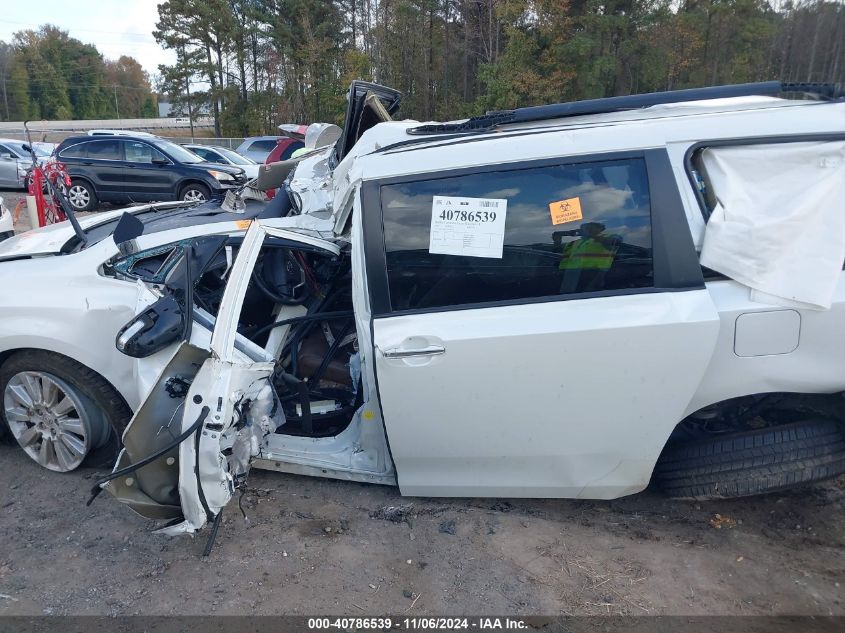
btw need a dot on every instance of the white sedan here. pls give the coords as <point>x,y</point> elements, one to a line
<point>66,391</point>
<point>223,156</point>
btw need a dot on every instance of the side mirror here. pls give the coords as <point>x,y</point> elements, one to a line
<point>160,161</point>
<point>6,156</point>
<point>160,325</point>
<point>128,228</point>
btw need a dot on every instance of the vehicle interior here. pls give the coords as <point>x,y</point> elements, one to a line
<point>297,310</point>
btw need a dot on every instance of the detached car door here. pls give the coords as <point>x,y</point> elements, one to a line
<point>539,328</point>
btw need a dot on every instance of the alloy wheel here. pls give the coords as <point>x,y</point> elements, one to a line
<point>193,195</point>
<point>50,420</point>
<point>78,196</point>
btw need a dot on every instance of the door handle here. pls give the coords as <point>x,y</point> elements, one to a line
<point>428,350</point>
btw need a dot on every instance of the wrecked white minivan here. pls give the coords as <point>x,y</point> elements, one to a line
<point>531,303</point>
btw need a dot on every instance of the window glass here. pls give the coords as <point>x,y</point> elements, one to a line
<point>606,245</point>
<point>234,157</point>
<point>104,150</point>
<point>263,146</point>
<point>202,153</point>
<point>290,149</point>
<point>6,150</point>
<point>75,151</point>
<point>176,152</point>
<point>137,152</point>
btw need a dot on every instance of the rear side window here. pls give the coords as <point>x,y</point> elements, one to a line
<point>290,149</point>
<point>75,151</point>
<point>568,229</point>
<point>104,150</point>
<point>262,146</point>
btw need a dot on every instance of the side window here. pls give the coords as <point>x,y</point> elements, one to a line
<point>6,150</point>
<point>262,146</point>
<point>213,157</point>
<point>151,265</point>
<point>80,150</point>
<point>137,152</point>
<point>105,150</point>
<point>568,229</point>
<point>290,149</point>
<point>201,152</point>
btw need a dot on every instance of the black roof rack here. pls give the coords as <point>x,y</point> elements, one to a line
<point>628,102</point>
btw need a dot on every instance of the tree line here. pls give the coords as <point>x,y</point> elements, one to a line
<point>254,63</point>
<point>46,74</point>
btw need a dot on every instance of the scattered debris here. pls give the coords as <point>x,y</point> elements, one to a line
<point>718,521</point>
<point>394,514</point>
<point>408,593</point>
<point>739,559</point>
<point>448,527</point>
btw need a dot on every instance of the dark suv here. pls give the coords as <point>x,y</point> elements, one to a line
<point>140,169</point>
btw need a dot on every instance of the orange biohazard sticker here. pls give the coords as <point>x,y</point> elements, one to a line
<point>564,211</point>
<point>243,224</point>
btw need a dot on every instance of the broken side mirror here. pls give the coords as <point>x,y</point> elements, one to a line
<point>160,325</point>
<point>127,230</point>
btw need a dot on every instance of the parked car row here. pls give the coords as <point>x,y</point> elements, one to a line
<point>124,169</point>
<point>120,166</point>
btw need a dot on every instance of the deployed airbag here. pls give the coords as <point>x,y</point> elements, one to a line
<point>779,223</point>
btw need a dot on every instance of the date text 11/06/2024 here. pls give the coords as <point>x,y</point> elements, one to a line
<point>416,624</point>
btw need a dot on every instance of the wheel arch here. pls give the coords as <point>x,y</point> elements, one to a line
<point>191,180</point>
<point>88,181</point>
<point>822,403</point>
<point>83,359</point>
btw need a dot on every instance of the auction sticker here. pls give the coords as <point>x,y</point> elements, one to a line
<point>472,227</point>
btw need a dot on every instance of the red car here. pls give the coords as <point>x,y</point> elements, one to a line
<point>287,146</point>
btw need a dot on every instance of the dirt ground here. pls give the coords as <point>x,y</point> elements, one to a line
<point>314,546</point>
<point>321,546</point>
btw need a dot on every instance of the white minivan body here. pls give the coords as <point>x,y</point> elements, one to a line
<point>568,394</point>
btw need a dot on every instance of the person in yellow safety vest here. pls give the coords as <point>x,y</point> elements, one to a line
<point>585,261</point>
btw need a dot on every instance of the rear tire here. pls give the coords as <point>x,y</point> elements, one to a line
<point>753,462</point>
<point>106,410</point>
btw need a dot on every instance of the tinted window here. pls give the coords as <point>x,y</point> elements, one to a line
<point>104,150</point>
<point>262,146</point>
<point>202,153</point>
<point>290,149</point>
<point>213,157</point>
<point>6,150</point>
<point>75,151</point>
<point>606,245</point>
<point>137,152</point>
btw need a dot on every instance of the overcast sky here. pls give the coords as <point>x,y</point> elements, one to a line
<point>116,27</point>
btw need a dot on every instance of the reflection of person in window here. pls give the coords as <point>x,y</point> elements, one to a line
<point>585,261</point>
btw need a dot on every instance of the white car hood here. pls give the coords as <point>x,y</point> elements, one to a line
<point>48,240</point>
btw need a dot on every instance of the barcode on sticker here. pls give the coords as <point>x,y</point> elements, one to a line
<point>488,203</point>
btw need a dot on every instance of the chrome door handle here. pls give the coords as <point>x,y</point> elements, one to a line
<point>398,352</point>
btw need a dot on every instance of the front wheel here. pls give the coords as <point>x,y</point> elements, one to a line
<point>59,411</point>
<point>81,196</point>
<point>753,462</point>
<point>195,192</point>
